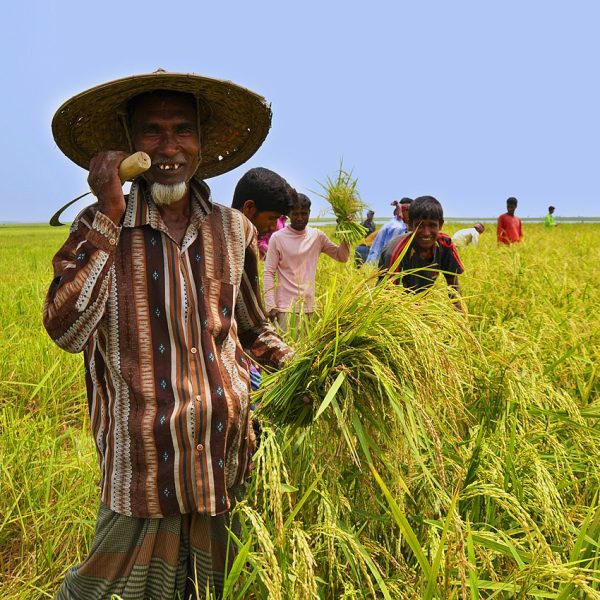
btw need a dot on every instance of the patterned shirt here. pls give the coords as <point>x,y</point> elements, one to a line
<point>162,328</point>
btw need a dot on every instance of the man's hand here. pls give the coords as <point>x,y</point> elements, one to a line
<point>106,185</point>
<point>272,314</point>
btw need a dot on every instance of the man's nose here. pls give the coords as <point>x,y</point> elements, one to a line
<point>168,144</point>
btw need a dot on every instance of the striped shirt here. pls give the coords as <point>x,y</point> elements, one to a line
<point>162,328</point>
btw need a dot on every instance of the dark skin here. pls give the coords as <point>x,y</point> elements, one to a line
<point>510,208</point>
<point>426,232</point>
<point>166,129</point>
<point>264,221</point>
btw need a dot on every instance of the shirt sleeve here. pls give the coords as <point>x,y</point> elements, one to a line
<point>378,244</point>
<point>339,253</point>
<point>475,237</point>
<point>76,300</point>
<point>256,334</point>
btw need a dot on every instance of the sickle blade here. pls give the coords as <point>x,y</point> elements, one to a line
<point>55,220</point>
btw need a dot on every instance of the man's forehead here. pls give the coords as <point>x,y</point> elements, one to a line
<point>156,102</point>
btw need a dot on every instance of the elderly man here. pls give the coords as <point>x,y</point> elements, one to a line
<point>159,290</point>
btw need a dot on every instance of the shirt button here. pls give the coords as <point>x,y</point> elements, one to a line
<point>112,241</point>
<point>193,350</point>
<point>198,398</point>
<point>200,448</point>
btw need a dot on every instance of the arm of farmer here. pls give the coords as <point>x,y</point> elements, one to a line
<point>339,253</point>
<point>77,296</point>
<point>269,271</point>
<point>257,336</point>
<point>377,246</point>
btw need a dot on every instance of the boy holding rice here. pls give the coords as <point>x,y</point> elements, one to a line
<point>421,256</point>
<point>292,259</point>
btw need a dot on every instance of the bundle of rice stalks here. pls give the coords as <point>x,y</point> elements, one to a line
<point>372,352</point>
<point>346,204</point>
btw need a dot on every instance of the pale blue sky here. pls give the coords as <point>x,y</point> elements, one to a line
<point>470,101</point>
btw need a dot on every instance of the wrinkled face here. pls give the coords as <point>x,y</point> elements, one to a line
<point>299,217</point>
<point>510,208</point>
<point>426,233</point>
<point>166,129</point>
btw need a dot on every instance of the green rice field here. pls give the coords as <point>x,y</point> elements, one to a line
<point>449,455</point>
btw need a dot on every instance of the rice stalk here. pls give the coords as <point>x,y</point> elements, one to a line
<point>346,205</point>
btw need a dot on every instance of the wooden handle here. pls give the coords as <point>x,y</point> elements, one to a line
<point>134,165</point>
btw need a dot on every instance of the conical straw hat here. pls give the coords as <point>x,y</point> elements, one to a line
<point>234,120</point>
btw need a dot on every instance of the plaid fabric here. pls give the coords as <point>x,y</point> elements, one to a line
<point>178,557</point>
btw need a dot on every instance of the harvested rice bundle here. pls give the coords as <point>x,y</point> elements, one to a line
<point>346,204</point>
<point>370,351</point>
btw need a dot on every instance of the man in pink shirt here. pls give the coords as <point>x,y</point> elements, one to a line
<point>509,229</point>
<point>292,256</point>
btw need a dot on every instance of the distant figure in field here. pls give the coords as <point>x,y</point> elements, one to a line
<point>292,259</point>
<point>550,221</point>
<point>362,250</point>
<point>470,235</point>
<point>429,253</point>
<point>369,224</point>
<point>509,229</point>
<point>396,226</point>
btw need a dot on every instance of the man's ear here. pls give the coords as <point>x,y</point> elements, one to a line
<point>249,209</point>
<point>441,223</point>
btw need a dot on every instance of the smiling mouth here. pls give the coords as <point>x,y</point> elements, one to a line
<point>169,166</point>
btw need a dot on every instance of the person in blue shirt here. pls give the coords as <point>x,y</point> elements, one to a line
<point>397,226</point>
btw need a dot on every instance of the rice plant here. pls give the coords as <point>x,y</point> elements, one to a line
<point>445,455</point>
<point>346,204</point>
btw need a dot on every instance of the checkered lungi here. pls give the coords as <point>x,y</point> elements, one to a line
<point>179,557</point>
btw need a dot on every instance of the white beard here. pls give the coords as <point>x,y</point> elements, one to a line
<point>164,195</point>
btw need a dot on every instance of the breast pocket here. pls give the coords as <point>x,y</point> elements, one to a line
<point>217,306</point>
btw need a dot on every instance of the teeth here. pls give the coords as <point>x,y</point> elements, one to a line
<point>168,166</point>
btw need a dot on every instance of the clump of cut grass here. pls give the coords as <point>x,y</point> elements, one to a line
<point>346,204</point>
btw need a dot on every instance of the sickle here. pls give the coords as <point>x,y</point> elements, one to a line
<point>130,168</point>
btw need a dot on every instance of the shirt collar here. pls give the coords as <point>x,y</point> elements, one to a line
<point>142,210</point>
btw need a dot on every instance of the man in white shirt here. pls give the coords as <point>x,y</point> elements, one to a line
<point>470,235</point>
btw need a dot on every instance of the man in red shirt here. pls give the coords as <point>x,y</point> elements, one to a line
<point>509,229</point>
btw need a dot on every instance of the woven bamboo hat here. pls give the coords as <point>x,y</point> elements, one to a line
<point>234,120</point>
